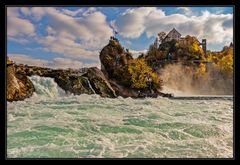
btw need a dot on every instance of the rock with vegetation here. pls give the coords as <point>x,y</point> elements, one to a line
<point>128,76</point>
<point>185,50</point>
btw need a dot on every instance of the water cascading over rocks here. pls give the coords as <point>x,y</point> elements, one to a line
<point>91,81</point>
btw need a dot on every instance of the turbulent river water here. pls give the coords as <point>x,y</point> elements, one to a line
<point>52,124</point>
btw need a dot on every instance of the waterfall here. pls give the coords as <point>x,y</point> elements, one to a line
<point>89,84</point>
<point>46,86</point>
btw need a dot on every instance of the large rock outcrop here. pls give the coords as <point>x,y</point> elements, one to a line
<point>19,86</point>
<point>114,60</point>
<point>128,77</point>
<point>114,64</point>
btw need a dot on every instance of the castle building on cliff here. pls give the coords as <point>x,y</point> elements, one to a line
<point>184,41</point>
<point>173,34</point>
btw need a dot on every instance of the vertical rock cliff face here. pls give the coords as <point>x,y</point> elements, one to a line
<point>99,83</point>
<point>19,86</point>
<point>114,64</point>
<point>114,60</point>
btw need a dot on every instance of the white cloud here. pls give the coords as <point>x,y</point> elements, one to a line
<point>89,11</point>
<point>91,28</point>
<point>73,13</point>
<point>12,12</point>
<point>216,28</point>
<point>131,24</point>
<point>66,47</point>
<point>62,63</point>
<point>24,59</point>
<point>18,29</point>
<point>78,34</point>
<point>185,10</point>
<point>25,27</point>
<point>88,32</point>
<point>136,53</point>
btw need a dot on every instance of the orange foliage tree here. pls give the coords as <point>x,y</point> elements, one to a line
<point>141,75</point>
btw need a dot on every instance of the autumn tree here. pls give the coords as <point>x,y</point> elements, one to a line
<point>223,60</point>
<point>141,75</point>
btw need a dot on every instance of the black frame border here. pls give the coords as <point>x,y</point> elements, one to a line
<point>149,3</point>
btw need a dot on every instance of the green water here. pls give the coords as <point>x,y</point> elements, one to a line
<point>89,126</point>
<point>52,124</point>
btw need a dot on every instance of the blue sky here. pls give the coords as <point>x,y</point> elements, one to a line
<point>72,37</point>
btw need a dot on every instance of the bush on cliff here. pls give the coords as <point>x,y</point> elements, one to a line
<point>223,61</point>
<point>141,75</point>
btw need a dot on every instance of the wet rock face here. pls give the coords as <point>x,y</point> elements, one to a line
<point>19,86</point>
<point>123,91</point>
<point>99,83</point>
<point>73,84</point>
<point>91,82</point>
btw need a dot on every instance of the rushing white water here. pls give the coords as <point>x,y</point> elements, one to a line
<point>46,86</point>
<point>53,124</point>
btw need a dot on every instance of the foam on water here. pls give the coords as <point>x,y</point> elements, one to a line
<point>92,126</point>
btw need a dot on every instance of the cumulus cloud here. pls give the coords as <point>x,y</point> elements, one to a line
<point>91,28</point>
<point>62,63</point>
<point>131,24</point>
<point>136,53</point>
<point>18,29</point>
<point>78,34</point>
<point>72,13</point>
<point>216,28</point>
<point>66,47</point>
<point>185,10</point>
<point>24,59</point>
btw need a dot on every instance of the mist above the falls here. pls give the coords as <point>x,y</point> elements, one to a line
<point>179,81</point>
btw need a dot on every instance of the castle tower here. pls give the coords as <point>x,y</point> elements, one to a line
<point>204,46</point>
<point>156,43</point>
